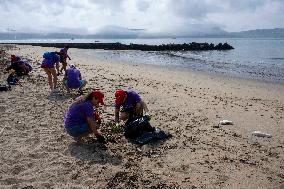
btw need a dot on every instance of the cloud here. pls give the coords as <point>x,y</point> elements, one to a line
<point>246,15</point>
<point>143,5</point>
<point>159,16</point>
<point>194,9</point>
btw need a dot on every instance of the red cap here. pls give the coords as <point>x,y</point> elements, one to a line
<point>13,58</point>
<point>99,95</point>
<point>119,96</point>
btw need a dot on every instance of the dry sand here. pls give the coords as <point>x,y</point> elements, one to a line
<point>36,152</point>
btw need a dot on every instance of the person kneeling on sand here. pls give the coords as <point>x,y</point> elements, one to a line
<point>132,105</point>
<point>73,79</point>
<point>79,120</point>
<point>21,67</point>
<point>50,59</point>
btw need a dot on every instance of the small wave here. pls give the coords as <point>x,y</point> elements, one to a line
<point>183,57</point>
<point>277,58</point>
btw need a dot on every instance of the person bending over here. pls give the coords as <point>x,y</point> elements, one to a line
<point>21,67</point>
<point>50,59</point>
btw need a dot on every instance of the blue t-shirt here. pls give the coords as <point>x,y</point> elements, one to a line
<point>132,99</point>
<point>73,78</point>
<point>49,62</point>
<point>63,52</point>
<point>25,62</point>
<point>77,114</point>
<point>28,65</point>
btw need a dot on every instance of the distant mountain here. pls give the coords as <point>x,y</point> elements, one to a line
<point>259,33</point>
<point>20,36</point>
<point>114,32</point>
<point>118,32</point>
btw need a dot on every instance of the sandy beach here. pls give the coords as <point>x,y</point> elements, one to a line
<point>36,151</point>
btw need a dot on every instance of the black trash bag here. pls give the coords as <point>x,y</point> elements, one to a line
<point>135,128</point>
<point>141,132</point>
<point>157,134</point>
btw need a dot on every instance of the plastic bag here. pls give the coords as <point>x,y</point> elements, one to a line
<point>157,134</point>
<point>136,127</point>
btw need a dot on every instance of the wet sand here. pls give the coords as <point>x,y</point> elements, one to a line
<point>36,151</point>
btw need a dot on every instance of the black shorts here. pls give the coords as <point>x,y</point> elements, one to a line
<point>131,113</point>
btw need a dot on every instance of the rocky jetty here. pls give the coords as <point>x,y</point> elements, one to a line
<point>143,47</point>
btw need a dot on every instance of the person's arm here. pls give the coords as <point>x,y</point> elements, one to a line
<point>116,113</point>
<point>138,108</point>
<point>80,76</point>
<point>144,106</point>
<point>65,76</point>
<point>78,100</point>
<point>93,125</point>
<point>68,56</point>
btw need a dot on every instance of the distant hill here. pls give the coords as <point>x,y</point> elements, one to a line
<point>114,32</point>
<point>259,33</point>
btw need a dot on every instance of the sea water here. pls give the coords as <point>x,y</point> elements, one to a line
<point>260,59</point>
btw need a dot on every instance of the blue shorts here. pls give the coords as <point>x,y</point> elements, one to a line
<point>81,84</point>
<point>78,130</point>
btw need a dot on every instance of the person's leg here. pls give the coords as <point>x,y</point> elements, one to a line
<point>83,84</point>
<point>49,76</point>
<point>124,116</point>
<point>57,68</point>
<point>137,110</point>
<point>54,75</point>
<point>78,132</point>
<point>64,64</point>
<point>65,85</point>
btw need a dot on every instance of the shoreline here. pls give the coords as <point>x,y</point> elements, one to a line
<point>39,153</point>
<point>199,65</point>
<point>186,71</point>
<point>181,67</point>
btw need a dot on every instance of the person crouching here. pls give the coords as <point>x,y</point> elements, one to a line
<point>79,119</point>
<point>73,79</point>
<point>132,105</point>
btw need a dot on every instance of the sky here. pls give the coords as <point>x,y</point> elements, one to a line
<point>154,16</point>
